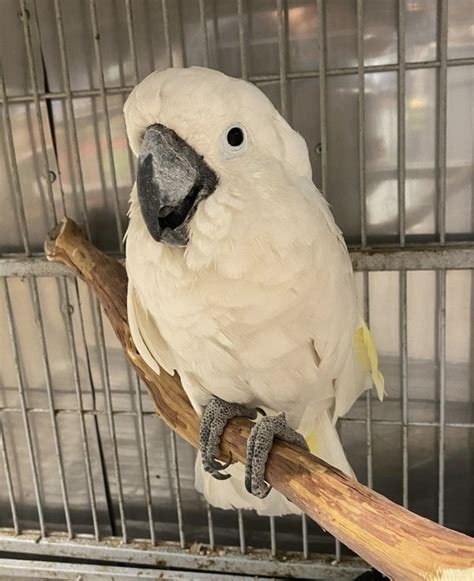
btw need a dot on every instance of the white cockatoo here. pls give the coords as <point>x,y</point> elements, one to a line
<point>239,278</point>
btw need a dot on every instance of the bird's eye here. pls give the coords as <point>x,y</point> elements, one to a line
<point>235,137</point>
<point>234,141</point>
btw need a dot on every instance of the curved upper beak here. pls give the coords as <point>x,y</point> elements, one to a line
<point>172,179</point>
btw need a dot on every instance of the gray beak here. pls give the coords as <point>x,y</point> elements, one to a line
<point>171,181</point>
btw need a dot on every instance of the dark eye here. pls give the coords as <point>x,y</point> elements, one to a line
<point>235,136</point>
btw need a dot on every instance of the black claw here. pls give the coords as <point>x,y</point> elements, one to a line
<point>217,475</point>
<point>265,493</point>
<point>229,462</point>
<point>210,468</point>
<point>217,464</point>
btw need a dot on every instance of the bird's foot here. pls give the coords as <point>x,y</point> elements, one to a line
<point>258,447</point>
<point>213,421</point>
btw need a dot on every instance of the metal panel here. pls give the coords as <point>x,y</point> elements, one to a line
<point>229,561</point>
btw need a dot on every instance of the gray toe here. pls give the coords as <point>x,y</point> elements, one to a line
<point>213,421</point>
<point>259,444</point>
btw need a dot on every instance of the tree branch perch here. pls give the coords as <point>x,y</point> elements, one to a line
<point>397,542</point>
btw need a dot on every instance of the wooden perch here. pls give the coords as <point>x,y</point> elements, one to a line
<point>397,542</point>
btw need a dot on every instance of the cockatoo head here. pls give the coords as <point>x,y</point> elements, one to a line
<point>202,136</point>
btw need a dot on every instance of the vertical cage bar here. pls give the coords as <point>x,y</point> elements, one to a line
<point>71,120</point>
<point>205,37</point>
<point>441,275</point>
<point>210,526</point>
<point>110,416</point>
<point>322,96</point>
<point>304,531</point>
<point>133,55</point>
<point>404,377</point>
<point>108,131</point>
<point>80,406</point>
<point>363,215</point>
<point>25,17</point>
<point>401,162</point>
<point>12,163</point>
<point>179,500</point>
<point>244,73</point>
<point>166,30</point>
<point>368,395</point>
<point>442,116</point>
<point>442,390</point>
<point>401,122</point>
<point>49,392</point>
<point>131,40</point>
<point>282,39</point>
<point>361,122</point>
<point>144,460</point>
<point>240,518</point>
<point>273,545</point>
<point>8,477</point>
<point>216,36</point>
<point>23,406</point>
<point>338,552</point>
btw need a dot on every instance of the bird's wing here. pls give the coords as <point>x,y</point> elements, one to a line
<point>146,335</point>
<point>359,373</point>
<point>347,341</point>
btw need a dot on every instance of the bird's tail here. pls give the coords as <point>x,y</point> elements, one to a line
<point>323,441</point>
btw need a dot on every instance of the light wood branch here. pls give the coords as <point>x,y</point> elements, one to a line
<point>397,542</point>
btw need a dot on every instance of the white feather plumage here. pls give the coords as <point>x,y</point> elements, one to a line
<point>260,308</point>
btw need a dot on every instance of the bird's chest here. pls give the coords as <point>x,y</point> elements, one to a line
<point>223,327</point>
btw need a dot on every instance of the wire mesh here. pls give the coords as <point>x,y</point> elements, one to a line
<point>117,433</point>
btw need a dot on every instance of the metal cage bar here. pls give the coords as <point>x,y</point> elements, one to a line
<point>25,17</point>
<point>8,479</point>
<point>110,416</point>
<point>166,28</point>
<point>79,400</point>
<point>441,331</point>
<point>144,459</point>
<point>71,120</point>
<point>257,79</point>
<point>13,165</point>
<point>322,96</point>
<point>205,37</point>
<point>282,59</point>
<point>240,521</point>
<point>369,259</point>
<point>441,275</point>
<point>23,407</point>
<point>242,41</point>
<point>363,213</point>
<point>177,486</point>
<point>401,257</point>
<point>401,83</point>
<point>382,422</point>
<point>108,131</point>
<point>49,391</point>
<point>404,386</point>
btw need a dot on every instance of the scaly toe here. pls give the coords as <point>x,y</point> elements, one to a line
<point>213,421</point>
<point>258,448</point>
